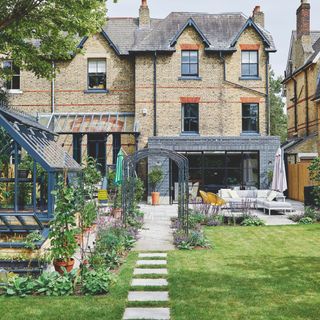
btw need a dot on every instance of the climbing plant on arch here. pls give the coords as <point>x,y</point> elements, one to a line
<point>129,167</point>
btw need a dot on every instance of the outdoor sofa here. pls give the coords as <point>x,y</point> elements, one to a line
<point>261,199</point>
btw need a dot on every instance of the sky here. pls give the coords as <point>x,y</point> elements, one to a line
<point>280,16</point>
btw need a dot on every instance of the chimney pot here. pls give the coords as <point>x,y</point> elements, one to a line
<point>144,15</point>
<point>303,19</point>
<point>258,16</point>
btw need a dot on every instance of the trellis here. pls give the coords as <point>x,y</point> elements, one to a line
<point>128,188</point>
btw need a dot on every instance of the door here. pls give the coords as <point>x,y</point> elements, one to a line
<point>97,150</point>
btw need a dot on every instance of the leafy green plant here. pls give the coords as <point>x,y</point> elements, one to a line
<point>195,238</point>
<point>89,214</point>
<point>54,284</point>
<point>96,282</point>
<point>117,201</point>
<point>63,226</point>
<point>306,220</point>
<point>252,222</point>
<point>91,177</point>
<point>32,239</point>
<point>20,286</point>
<point>155,178</point>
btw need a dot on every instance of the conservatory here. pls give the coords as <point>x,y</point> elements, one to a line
<point>30,163</point>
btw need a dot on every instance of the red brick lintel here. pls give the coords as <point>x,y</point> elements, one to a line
<point>250,100</point>
<point>189,99</point>
<point>249,46</point>
<point>189,46</point>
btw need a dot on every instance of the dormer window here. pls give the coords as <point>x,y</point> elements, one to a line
<point>189,63</point>
<point>249,64</point>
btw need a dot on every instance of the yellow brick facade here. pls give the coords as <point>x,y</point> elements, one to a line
<point>130,81</point>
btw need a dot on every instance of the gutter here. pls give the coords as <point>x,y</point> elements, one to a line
<point>268,111</point>
<point>155,94</point>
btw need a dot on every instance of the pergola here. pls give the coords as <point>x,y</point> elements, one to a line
<point>22,132</point>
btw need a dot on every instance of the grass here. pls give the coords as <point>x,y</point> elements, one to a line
<point>109,307</point>
<point>252,273</point>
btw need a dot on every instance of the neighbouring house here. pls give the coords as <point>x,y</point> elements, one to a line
<point>192,82</point>
<point>302,89</point>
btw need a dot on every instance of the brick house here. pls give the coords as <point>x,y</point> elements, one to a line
<point>302,87</point>
<point>194,83</point>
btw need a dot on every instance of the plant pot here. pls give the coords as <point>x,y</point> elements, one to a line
<point>117,213</point>
<point>58,265</point>
<point>155,197</point>
<point>23,174</point>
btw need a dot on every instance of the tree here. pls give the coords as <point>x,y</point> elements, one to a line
<point>33,33</point>
<point>278,119</point>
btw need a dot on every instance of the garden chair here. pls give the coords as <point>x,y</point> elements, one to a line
<point>216,200</point>
<point>204,197</point>
<point>194,192</point>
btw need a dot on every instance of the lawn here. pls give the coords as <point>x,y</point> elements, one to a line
<point>265,273</point>
<point>110,307</point>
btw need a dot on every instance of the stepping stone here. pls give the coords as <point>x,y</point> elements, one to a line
<point>138,271</point>
<point>151,262</point>
<point>152,296</point>
<point>147,313</point>
<point>152,255</point>
<point>149,283</point>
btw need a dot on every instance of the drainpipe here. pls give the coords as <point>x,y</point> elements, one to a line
<point>267,97</point>
<point>307,100</point>
<point>295,98</point>
<point>53,89</point>
<point>155,94</point>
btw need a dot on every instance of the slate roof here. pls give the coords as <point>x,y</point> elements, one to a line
<point>219,29</point>
<point>315,42</point>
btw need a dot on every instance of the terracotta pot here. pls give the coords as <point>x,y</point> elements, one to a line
<point>58,265</point>
<point>117,213</point>
<point>155,196</point>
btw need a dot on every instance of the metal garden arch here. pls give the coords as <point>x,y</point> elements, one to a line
<point>129,167</point>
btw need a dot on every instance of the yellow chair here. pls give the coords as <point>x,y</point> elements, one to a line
<point>204,197</point>
<point>215,200</point>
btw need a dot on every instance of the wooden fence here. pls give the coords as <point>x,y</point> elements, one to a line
<point>298,178</point>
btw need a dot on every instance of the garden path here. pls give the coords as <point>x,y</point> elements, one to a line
<point>149,296</point>
<point>156,234</point>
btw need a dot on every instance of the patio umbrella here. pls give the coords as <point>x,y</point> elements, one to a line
<point>279,181</point>
<point>118,178</point>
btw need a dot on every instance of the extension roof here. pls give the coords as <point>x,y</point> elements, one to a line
<point>37,140</point>
<point>219,32</point>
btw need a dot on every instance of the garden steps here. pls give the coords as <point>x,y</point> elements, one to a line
<point>148,292</point>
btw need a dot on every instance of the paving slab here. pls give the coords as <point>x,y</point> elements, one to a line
<point>147,313</point>
<point>156,234</point>
<point>151,262</point>
<point>138,271</point>
<point>148,296</point>
<point>149,283</point>
<point>153,255</point>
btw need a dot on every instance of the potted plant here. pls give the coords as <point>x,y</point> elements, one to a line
<point>63,228</point>
<point>155,178</point>
<point>25,167</point>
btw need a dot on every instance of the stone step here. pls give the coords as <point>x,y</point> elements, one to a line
<point>138,271</point>
<point>147,313</point>
<point>151,262</point>
<point>150,296</point>
<point>152,255</point>
<point>149,283</point>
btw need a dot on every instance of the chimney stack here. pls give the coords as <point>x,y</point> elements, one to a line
<point>258,16</point>
<point>144,15</point>
<point>303,19</point>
